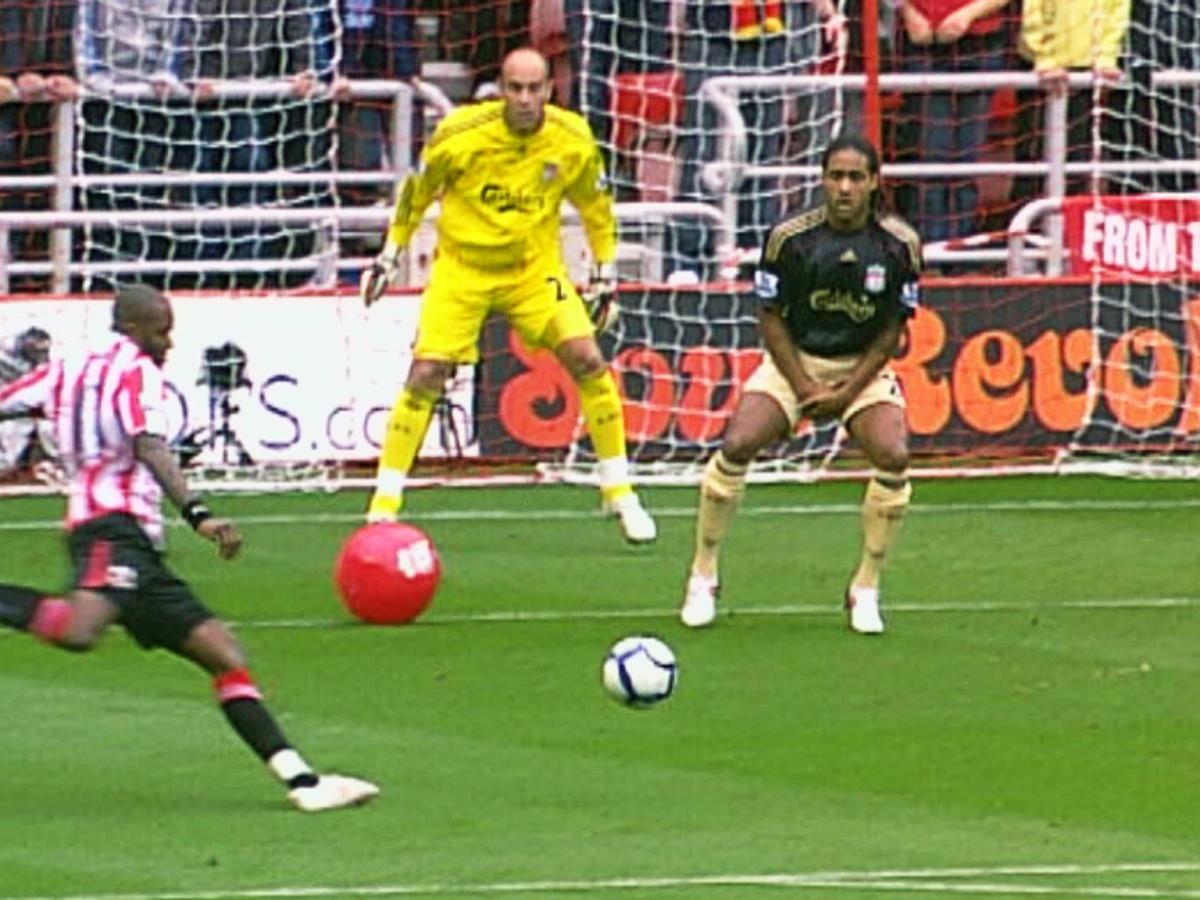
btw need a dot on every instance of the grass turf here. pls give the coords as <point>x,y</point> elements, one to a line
<point>1033,704</point>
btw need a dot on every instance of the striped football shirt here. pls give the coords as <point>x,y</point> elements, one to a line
<point>99,403</point>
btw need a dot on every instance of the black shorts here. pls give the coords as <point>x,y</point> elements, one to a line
<point>114,557</point>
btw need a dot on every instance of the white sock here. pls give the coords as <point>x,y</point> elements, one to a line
<point>613,471</point>
<point>288,764</point>
<point>390,482</point>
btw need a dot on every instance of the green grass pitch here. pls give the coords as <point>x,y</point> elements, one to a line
<point>1027,726</point>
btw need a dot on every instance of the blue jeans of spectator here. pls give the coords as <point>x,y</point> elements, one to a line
<point>690,241</point>
<point>952,127</point>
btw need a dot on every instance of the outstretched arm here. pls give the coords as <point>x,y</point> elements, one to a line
<point>416,192</point>
<point>152,451</point>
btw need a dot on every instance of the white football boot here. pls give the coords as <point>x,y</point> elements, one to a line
<point>636,524</point>
<point>700,601</point>
<point>862,604</point>
<point>333,792</point>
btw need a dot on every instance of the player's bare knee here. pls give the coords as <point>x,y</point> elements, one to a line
<point>740,447</point>
<point>593,368</point>
<point>737,452</point>
<point>74,624</point>
<point>892,459</point>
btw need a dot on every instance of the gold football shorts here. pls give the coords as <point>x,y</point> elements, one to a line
<point>767,379</point>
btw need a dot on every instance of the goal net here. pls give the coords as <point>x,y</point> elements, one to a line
<point>722,107</point>
<point>1132,225</point>
<point>236,92</point>
<point>1106,381</point>
<point>712,118</point>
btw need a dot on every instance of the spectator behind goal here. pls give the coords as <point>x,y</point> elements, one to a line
<point>377,42</point>
<point>950,126</point>
<point>35,66</point>
<point>1157,122</point>
<point>1060,36</point>
<point>742,38</point>
<point>185,127</point>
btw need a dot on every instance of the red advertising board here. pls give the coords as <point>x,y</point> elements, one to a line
<point>1142,236</point>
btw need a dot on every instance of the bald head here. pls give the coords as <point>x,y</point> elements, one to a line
<point>525,86</point>
<point>143,315</point>
<point>525,63</point>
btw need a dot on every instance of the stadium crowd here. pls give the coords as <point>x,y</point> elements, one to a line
<point>633,67</point>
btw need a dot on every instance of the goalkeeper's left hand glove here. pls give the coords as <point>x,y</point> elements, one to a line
<point>600,297</point>
<point>382,274</point>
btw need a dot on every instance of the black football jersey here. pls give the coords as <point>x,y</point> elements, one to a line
<point>838,290</point>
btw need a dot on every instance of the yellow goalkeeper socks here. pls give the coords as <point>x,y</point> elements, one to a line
<point>884,504</point>
<point>606,426</point>
<point>721,490</point>
<point>405,432</point>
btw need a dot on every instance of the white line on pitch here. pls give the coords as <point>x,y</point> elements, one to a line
<point>516,616</point>
<point>570,615</point>
<point>1001,889</point>
<point>891,880</point>
<point>813,509</point>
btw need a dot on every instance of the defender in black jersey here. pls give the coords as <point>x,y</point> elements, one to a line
<point>836,285</point>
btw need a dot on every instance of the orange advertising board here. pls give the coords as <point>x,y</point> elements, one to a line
<point>989,368</point>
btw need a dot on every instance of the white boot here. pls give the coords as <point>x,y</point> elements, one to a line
<point>333,792</point>
<point>636,524</point>
<point>862,603</point>
<point>700,602</point>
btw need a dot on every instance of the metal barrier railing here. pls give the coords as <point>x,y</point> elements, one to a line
<point>721,176</point>
<point>324,264</point>
<point>63,180</point>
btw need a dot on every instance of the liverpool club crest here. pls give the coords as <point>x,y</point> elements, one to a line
<point>876,279</point>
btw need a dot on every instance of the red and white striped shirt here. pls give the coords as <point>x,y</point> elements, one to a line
<point>99,404</point>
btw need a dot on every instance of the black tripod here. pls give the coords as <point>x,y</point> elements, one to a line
<point>220,431</point>
<point>223,371</point>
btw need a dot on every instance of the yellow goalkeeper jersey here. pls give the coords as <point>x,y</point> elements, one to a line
<point>501,193</point>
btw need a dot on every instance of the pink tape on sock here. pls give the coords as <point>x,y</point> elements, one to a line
<point>236,685</point>
<point>51,620</point>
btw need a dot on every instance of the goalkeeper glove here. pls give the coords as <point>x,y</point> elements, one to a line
<point>600,297</point>
<point>383,272</point>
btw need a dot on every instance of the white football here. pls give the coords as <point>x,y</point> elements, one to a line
<point>640,671</point>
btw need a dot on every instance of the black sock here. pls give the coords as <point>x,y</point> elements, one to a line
<point>17,605</point>
<point>255,725</point>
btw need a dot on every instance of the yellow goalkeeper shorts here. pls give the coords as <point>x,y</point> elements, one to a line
<point>538,299</point>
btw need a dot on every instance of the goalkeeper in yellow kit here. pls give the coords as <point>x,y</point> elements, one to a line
<point>501,170</point>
